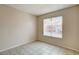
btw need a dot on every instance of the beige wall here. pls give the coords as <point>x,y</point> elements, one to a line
<point>16,27</point>
<point>70,28</point>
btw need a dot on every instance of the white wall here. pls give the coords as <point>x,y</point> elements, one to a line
<point>16,27</point>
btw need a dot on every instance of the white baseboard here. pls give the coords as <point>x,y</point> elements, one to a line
<point>68,48</point>
<point>15,46</point>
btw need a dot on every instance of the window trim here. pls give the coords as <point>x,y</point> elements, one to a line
<point>51,35</point>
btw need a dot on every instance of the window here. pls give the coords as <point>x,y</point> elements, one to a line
<point>53,27</point>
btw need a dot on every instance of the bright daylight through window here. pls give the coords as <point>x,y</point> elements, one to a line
<point>53,27</point>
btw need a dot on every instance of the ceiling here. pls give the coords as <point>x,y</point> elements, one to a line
<point>39,9</point>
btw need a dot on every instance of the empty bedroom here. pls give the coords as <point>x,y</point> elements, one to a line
<point>39,29</point>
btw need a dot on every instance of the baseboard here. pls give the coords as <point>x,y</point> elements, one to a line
<point>15,46</point>
<point>40,41</point>
<point>75,50</point>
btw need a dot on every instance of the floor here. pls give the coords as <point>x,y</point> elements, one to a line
<point>38,48</point>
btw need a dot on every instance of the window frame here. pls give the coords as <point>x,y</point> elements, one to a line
<point>51,20</point>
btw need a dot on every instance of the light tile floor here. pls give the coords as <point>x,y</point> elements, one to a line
<point>38,48</point>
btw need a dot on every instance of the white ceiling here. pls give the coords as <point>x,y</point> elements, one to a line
<point>39,9</point>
